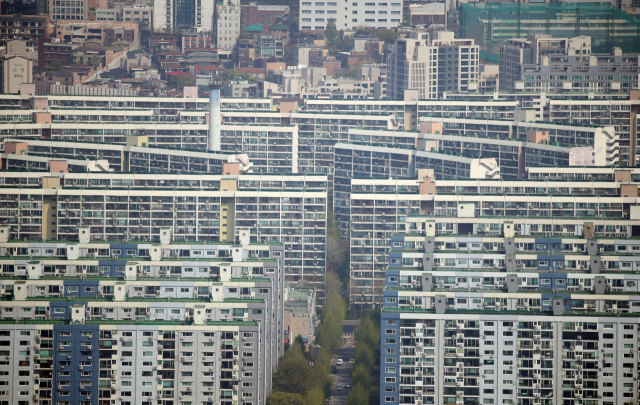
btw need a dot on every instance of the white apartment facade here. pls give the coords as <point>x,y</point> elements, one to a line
<point>227,24</point>
<point>314,15</point>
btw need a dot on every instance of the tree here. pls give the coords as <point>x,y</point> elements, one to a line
<point>95,60</point>
<point>332,281</point>
<point>182,81</point>
<point>56,66</point>
<point>284,398</point>
<point>294,375</point>
<point>386,35</point>
<point>406,21</point>
<point>316,396</point>
<point>365,356</point>
<point>368,333</point>
<point>331,32</point>
<point>361,375</point>
<point>358,395</point>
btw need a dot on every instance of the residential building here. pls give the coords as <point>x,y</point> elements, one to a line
<point>264,15</point>
<point>228,301</point>
<point>79,11</point>
<point>455,303</point>
<point>28,28</point>
<point>135,156</point>
<point>474,207</point>
<point>192,41</point>
<point>300,315</point>
<point>538,143</point>
<point>23,7</point>
<point>431,68</point>
<point>314,15</point>
<point>428,14</point>
<point>227,24</point>
<point>16,70</point>
<point>204,208</point>
<point>543,63</point>
<point>141,14</point>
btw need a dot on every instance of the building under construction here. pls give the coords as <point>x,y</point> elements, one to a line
<point>491,24</point>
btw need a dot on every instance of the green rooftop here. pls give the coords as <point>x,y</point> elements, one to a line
<point>254,28</point>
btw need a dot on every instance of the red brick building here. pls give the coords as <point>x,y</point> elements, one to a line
<point>264,15</point>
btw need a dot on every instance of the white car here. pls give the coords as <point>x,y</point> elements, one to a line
<point>339,362</point>
<point>339,388</point>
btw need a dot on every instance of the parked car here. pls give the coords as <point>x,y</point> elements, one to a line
<point>347,385</point>
<point>339,362</point>
<point>352,361</point>
<point>339,388</point>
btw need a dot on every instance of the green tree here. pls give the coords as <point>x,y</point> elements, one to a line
<point>331,32</point>
<point>56,66</point>
<point>294,375</point>
<point>329,333</point>
<point>358,395</point>
<point>368,333</point>
<point>95,60</point>
<point>361,375</point>
<point>284,398</point>
<point>386,35</point>
<point>406,21</point>
<point>316,396</point>
<point>365,356</point>
<point>182,81</point>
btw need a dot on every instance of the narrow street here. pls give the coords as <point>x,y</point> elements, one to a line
<point>342,376</point>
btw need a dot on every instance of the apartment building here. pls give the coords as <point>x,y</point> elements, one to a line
<point>227,24</point>
<point>76,10</point>
<point>408,112</point>
<point>543,63</point>
<point>28,28</point>
<point>473,207</point>
<point>484,356</point>
<point>356,164</point>
<point>133,157</point>
<point>159,308</point>
<point>52,165</point>
<point>538,144</point>
<point>470,330</point>
<point>288,209</point>
<point>431,68</point>
<point>263,15</point>
<point>317,133</point>
<point>314,15</point>
<point>272,150</point>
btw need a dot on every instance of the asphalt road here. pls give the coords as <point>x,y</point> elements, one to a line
<point>342,376</point>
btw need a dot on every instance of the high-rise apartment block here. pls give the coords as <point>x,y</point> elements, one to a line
<point>287,209</point>
<point>510,316</point>
<point>187,15</point>
<point>378,209</point>
<point>431,68</point>
<point>227,24</point>
<point>140,322</point>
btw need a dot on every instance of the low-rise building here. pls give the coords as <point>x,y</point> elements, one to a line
<point>300,315</point>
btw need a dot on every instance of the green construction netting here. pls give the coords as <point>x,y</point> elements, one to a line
<point>491,24</point>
